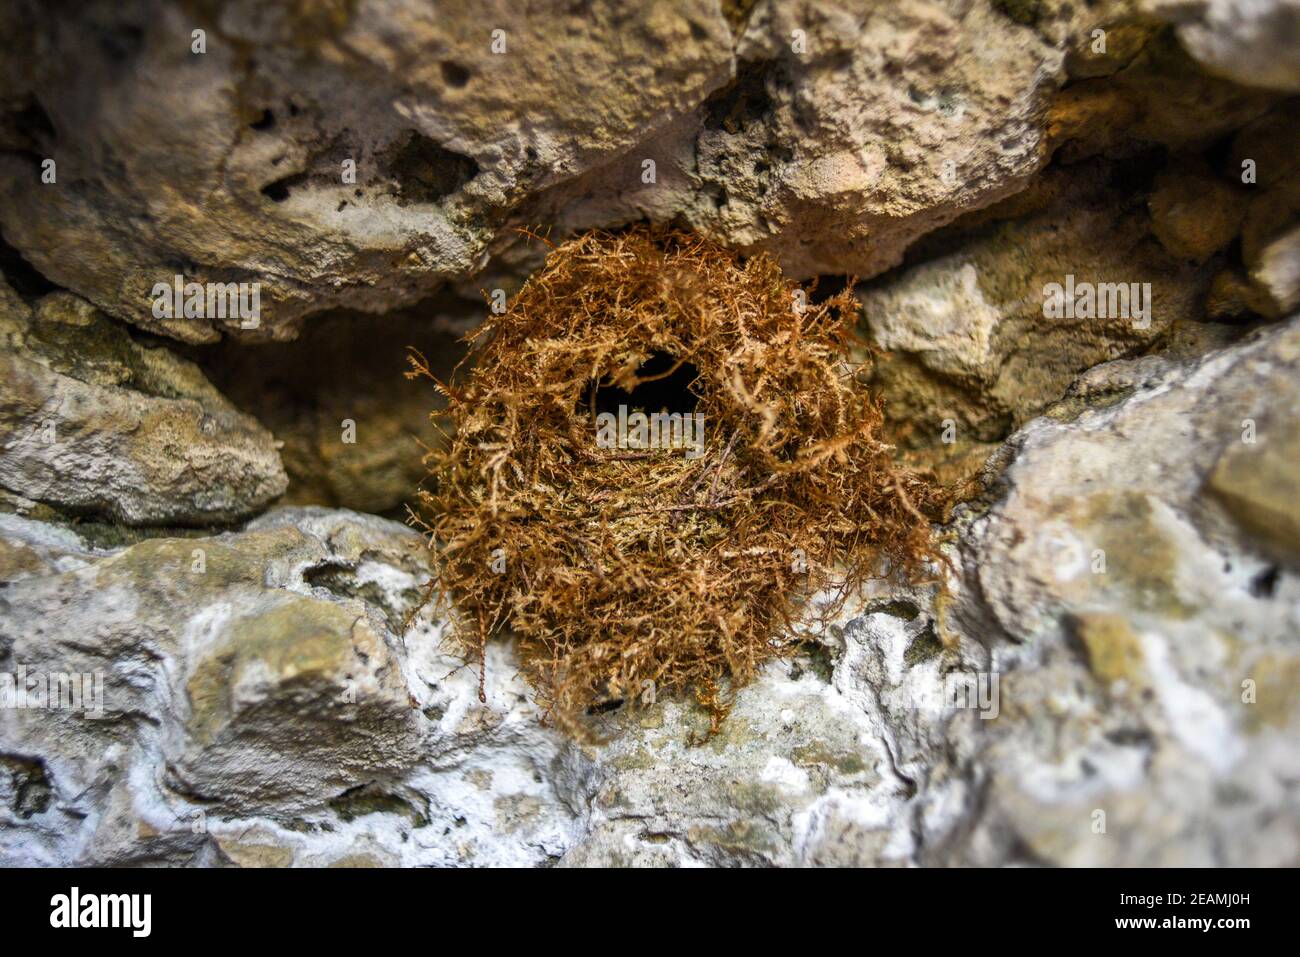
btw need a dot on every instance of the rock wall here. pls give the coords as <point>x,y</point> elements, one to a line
<point>1140,644</point>
<point>195,510</point>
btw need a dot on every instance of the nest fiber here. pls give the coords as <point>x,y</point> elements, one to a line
<point>660,452</point>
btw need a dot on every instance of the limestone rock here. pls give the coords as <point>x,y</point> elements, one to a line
<point>228,164</point>
<point>1161,95</point>
<point>1277,272</point>
<point>31,549</point>
<point>848,131</point>
<point>353,429</point>
<point>227,680</point>
<point>828,135</point>
<point>1255,42</point>
<point>831,136</point>
<point>1107,49</point>
<point>98,423</point>
<point>969,336</point>
<point>1195,214</point>
<point>1233,296</point>
<point>1106,509</point>
<point>1104,554</point>
<point>231,735</point>
<point>784,782</point>
<point>260,706</point>
<point>1267,152</point>
<point>1257,478</point>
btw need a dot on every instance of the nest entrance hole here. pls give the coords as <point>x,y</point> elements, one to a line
<point>662,388</point>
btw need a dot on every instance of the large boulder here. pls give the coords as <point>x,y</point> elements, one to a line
<point>828,135</point>
<point>971,344</point>
<point>1255,42</point>
<point>97,423</point>
<point>228,164</point>
<point>847,131</point>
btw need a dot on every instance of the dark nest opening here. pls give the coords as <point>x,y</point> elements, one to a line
<point>680,565</point>
<point>664,385</point>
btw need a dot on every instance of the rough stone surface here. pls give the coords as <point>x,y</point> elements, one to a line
<point>1278,271</point>
<point>94,422</point>
<point>897,118</point>
<point>830,135</point>
<point>1268,149</point>
<point>966,332</point>
<point>1257,477</point>
<point>1255,42</point>
<point>227,165</point>
<point>260,708</point>
<point>1106,552</point>
<point>353,429</point>
<point>1144,710</point>
<point>1159,95</point>
<point>1194,213</point>
<point>1108,675</point>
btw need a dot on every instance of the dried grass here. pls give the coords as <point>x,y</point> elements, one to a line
<point>628,566</point>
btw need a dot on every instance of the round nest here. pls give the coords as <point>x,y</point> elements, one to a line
<point>680,562</point>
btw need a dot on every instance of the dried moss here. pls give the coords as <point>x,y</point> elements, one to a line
<point>627,566</point>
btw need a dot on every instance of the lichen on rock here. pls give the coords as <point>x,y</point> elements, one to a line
<point>97,423</point>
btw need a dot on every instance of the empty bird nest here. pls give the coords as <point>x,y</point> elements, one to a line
<point>582,504</point>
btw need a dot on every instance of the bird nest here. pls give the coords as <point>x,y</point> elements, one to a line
<point>662,451</point>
